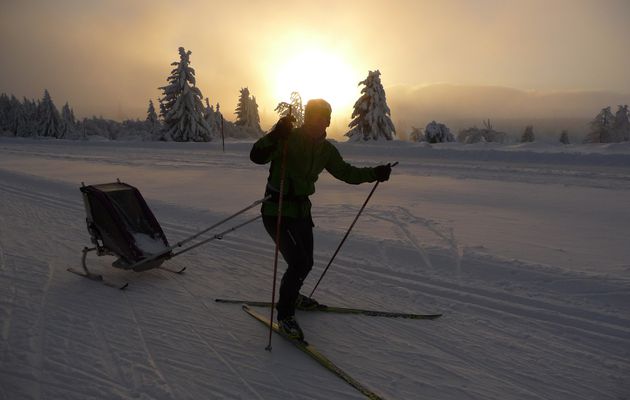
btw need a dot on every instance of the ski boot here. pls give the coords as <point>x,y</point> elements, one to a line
<point>290,327</point>
<point>306,303</point>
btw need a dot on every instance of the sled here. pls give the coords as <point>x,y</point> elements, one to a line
<point>121,224</point>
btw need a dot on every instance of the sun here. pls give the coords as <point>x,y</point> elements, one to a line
<point>317,74</point>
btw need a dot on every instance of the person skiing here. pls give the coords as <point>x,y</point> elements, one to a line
<point>308,153</point>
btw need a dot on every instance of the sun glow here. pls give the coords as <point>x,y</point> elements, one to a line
<point>318,74</point>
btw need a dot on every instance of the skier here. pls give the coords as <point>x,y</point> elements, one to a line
<point>308,154</point>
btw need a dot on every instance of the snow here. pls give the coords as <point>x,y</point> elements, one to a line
<point>524,248</point>
<point>147,244</point>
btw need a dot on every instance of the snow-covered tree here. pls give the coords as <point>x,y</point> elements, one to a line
<point>51,124</point>
<point>564,137</point>
<point>20,125</point>
<point>371,116</point>
<point>601,127</point>
<point>181,107</point>
<point>435,132</point>
<point>528,134</point>
<point>152,117</point>
<point>247,111</point>
<point>213,117</point>
<point>152,123</point>
<point>416,135</point>
<point>621,125</point>
<point>297,109</point>
<point>69,122</point>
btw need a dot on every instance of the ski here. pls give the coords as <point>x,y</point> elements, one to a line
<point>98,278</point>
<point>175,271</point>
<point>339,310</point>
<point>316,355</point>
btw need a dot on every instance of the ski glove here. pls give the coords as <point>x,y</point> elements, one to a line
<point>283,127</point>
<point>382,172</point>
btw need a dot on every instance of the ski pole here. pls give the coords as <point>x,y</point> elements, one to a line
<point>217,236</point>
<point>283,168</point>
<point>348,233</point>
<point>181,243</point>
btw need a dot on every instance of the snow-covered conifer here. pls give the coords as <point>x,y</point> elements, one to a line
<point>435,132</point>
<point>213,118</point>
<point>297,109</point>
<point>4,112</point>
<point>152,117</point>
<point>371,115</point>
<point>528,134</point>
<point>181,107</point>
<point>564,137</point>
<point>601,127</point>
<point>253,116</point>
<point>247,112</point>
<point>51,124</point>
<point>242,108</point>
<point>69,122</point>
<point>19,124</point>
<point>621,125</point>
<point>152,122</point>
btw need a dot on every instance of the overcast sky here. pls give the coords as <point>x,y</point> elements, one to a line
<point>109,57</point>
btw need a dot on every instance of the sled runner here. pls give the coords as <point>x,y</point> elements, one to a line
<point>121,224</point>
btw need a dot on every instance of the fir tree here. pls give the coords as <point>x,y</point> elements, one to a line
<point>152,116</point>
<point>242,108</point>
<point>30,108</point>
<point>621,125</point>
<point>213,117</point>
<point>69,122</point>
<point>152,122</point>
<point>253,117</point>
<point>247,111</point>
<point>564,137</point>
<point>371,115</point>
<point>528,134</point>
<point>181,107</point>
<point>51,124</point>
<point>601,127</point>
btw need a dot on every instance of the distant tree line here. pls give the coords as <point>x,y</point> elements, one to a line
<point>182,117</point>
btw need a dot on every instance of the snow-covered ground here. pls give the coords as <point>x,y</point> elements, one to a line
<point>523,248</point>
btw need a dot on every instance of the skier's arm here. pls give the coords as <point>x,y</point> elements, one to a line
<point>346,172</point>
<point>266,148</point>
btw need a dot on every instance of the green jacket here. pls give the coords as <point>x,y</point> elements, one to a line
<point>307,157</point>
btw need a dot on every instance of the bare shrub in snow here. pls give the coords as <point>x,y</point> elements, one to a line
<point>485,134</point>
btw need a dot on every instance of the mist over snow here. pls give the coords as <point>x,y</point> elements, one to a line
<point>509,109</point>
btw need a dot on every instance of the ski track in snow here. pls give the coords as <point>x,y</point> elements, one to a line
<point>166,338</point>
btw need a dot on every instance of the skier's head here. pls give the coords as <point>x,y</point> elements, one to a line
<point>317,114</point>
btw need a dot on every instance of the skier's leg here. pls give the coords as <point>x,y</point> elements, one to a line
<point>296,246</point>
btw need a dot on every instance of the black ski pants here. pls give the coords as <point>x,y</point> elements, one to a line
<point>296,246</point>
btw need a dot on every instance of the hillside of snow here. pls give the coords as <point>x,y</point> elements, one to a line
<point>523,248</point>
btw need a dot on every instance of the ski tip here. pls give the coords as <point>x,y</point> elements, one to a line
<point>123,287</point>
